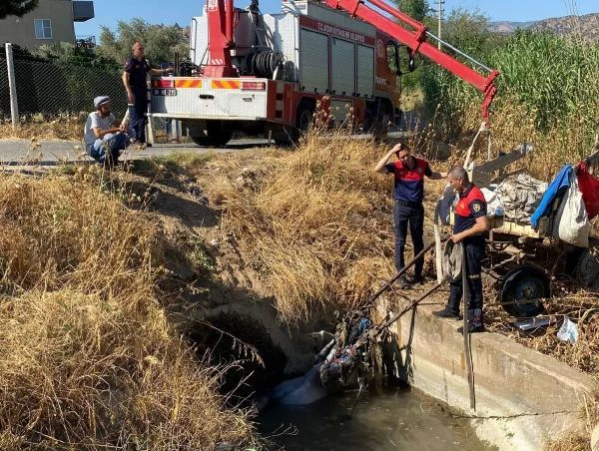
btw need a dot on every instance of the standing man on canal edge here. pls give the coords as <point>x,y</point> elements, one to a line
<point>408,210</point>
<point>134,79</point>
<point>470,226</point>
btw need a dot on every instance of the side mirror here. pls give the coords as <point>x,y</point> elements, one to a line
<point>411,63</point>
<point>398,72</point>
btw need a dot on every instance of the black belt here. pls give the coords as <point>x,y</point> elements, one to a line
<point>408,203</point>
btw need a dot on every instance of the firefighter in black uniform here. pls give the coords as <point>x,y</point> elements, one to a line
<point>134,79</point>
<point>470,227</point>
<point>408,210</point>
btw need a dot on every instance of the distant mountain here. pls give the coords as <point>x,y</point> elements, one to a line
<point>587,26</point>
<point>508,27</point>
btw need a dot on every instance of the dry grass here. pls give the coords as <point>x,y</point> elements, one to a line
<point>88,359</point>
<point>512,125</point>
<point>315,224</point>
<point>579,440</point>
<point>62,126</point>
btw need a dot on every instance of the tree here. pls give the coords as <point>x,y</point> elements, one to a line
<point>69,54</point>
<point>446,93</point>
<point>416,9</point>
<point>16,7</point>
<point>160,41</point>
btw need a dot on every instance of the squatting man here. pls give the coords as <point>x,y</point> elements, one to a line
<point>104,136</point>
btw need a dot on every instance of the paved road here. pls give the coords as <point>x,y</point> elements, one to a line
<point>20,152</point>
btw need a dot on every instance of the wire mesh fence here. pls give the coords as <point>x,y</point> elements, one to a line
<point>53,88</point>
<point>4,89</point>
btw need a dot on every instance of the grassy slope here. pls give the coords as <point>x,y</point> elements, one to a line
<point>93,264</point>
<point>88,358</point>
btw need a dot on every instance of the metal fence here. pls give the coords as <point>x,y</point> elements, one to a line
<point>49,89</point>
<point>4,90</point>
<point>52,88</point>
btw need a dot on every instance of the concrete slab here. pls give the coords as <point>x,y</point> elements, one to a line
<point>523,397</point>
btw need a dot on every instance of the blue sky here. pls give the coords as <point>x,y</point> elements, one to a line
<point>108,12</point>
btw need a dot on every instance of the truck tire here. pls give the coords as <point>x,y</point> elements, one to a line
<point>378,115</point>
<point>201,141</point>
<point>521,289</point>
<point>217,135</point>
<point>305,117</point>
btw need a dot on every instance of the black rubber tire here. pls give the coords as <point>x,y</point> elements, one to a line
<point>305,118</point>
<point>520,284</point>
<point>218,134</point>
<point>586,271</point>
<point>201,141</point>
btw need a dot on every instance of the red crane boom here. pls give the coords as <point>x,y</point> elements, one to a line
<point>221,15</point>
<point>415,40</point>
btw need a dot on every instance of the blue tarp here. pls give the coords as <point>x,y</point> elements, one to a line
<point>556,189</point>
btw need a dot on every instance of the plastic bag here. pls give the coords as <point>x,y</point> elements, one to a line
<point>572,222</point>
<point>589,187</point>
<point>568,331</point>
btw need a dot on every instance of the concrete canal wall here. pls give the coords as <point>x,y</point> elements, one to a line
<point>522,396</point>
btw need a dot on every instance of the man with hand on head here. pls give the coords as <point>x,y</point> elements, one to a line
<point>408,211</point>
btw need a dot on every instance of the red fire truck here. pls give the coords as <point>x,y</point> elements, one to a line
<point>267,73</point>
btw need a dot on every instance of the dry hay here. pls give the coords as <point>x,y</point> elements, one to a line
<point>62,126</point>
<point>579,440</point>
<point>315,224</point>
<point>89,360</point>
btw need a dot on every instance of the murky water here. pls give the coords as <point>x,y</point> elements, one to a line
<point>384,421</point>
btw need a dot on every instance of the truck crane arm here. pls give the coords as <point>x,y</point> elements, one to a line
<point>415,40</point>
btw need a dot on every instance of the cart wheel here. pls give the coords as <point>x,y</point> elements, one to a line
<point>586,271</point>
<point>522,284</point>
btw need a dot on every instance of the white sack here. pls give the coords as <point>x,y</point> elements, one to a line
<point>572,222</point>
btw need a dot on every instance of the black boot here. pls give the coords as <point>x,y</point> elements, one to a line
<point>475,322</point>
<point>447,313</point>
<point>404,283</point>
<point>472,328</point>
<point>416,280</point>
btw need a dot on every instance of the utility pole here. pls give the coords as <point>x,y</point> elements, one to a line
<point>12,87</point>
<point>440,4</point>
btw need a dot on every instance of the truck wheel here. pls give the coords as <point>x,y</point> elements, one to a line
<point>305,119</point>
<point>521,289</point>
<point>377,119</point>
<point>201,141</point>
<point>217,134</point>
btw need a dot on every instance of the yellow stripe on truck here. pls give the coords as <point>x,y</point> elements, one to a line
<point>225,84</point>
<point>188,83</point>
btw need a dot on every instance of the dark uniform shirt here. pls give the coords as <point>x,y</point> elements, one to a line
<point>409,183</point>
<point>137,71</point>
<point>471,205</point>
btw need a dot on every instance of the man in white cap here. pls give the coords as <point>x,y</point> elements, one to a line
<point>104,137</point>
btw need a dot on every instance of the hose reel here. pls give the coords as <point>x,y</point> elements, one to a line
<point>264,63</point>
